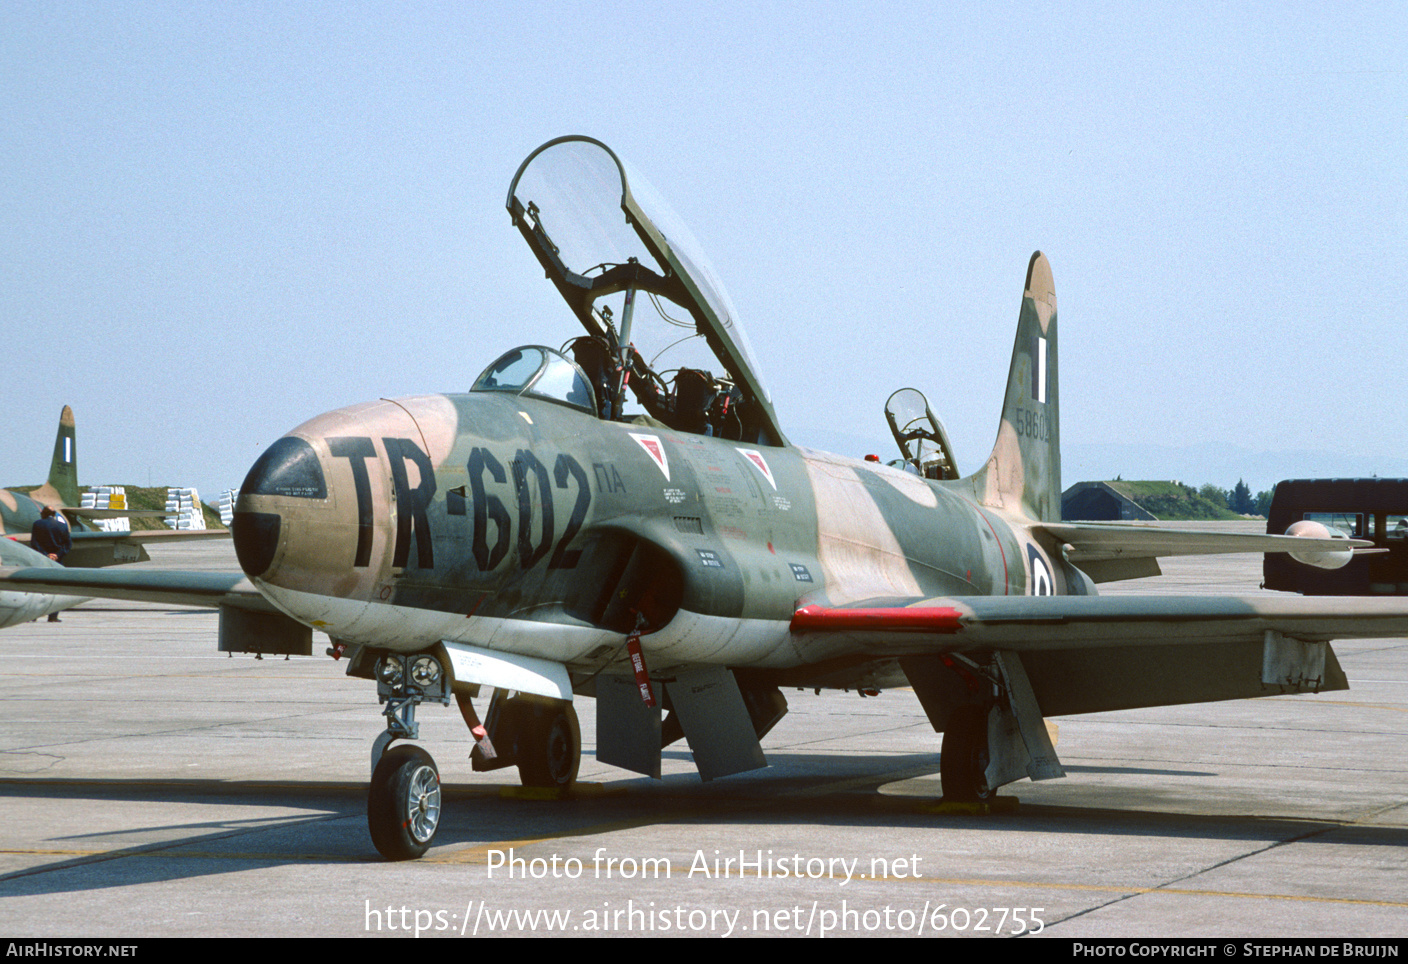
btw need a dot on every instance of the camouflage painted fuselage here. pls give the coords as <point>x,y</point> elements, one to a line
<point>18,512</point>
<point>523,525</point>
<point>20,607</point>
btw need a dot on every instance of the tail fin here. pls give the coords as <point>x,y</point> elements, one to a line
<point>1023,474</point>
<point>63,470</point>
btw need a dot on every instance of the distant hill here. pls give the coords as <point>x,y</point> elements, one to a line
<point>1171,500</point>
<point>1221,463</point>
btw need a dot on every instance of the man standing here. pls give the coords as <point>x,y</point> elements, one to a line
<point>50,536</point>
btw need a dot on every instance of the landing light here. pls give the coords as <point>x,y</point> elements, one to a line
<point>389,670</point>
<point>425,671</point>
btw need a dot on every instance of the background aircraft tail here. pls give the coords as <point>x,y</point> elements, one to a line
<point>63,470</point>
<point>1023,473</point>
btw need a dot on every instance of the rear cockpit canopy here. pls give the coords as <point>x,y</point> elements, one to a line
<point>920,436</point>
<point>540,372</point>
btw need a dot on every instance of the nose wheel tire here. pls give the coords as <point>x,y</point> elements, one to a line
<point>403,805</point>
<point>963,761</point>
<point>549,746</point>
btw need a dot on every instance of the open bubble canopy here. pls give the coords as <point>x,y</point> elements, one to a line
<point>603,234</point>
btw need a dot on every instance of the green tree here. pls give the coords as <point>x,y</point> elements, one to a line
<point>1213,494</point>
<point>1240,499</point>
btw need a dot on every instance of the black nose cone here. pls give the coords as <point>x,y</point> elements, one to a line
<point>288,469</point>
<point>256,536</point>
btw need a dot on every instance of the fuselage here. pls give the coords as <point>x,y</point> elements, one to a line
<point>18,512</point>
<point>22,607</point>
<point>525,525</point>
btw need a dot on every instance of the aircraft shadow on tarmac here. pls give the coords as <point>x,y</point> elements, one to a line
<point>329,827</point>
<point>1144,771</point>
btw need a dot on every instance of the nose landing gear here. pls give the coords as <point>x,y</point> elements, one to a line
<point>403,801</point>
<point>539,735</point>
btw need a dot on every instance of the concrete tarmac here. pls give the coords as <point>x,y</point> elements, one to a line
<point>150,786</point>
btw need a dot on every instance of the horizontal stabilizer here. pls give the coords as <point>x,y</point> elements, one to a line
<point>1092,542</point>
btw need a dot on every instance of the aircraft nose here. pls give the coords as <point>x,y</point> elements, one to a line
<point>289,468</point>
<point>338,505</point>
<point>256,536</point>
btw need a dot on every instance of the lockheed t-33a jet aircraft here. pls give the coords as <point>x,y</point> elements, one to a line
<point>610,519</point>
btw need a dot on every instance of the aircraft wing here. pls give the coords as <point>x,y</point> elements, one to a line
<point>1110,552</point>
<point>147,535</point>
<point>163,586</point>
<point>1031,623</point>
<point>1087,654</point>
<point>96,537</point>
<point>95,549</point>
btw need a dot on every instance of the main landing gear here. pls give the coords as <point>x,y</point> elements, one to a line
<point>540,736</point>
<point>963,758</point>
<point>550,747</point>
<point>990,743</point>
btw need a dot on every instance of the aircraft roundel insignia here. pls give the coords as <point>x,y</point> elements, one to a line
<point>1042,583</point>
<point>756,457</point>
<point>656,450</point>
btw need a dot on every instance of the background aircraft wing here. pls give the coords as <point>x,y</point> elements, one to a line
<point>162,586</point>
<point>96,549</point>
<point>146,535</point>
<point>98,537</point>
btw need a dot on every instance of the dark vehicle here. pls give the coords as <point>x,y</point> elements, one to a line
<point>1375,509</point>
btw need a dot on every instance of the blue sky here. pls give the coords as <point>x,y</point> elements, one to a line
<point>218,220</point>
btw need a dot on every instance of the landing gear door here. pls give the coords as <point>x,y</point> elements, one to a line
<point>921,437</point>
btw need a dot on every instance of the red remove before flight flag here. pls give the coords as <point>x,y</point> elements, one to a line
<point>638,664</point>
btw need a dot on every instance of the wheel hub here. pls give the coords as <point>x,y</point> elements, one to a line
<point>424,804</point>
